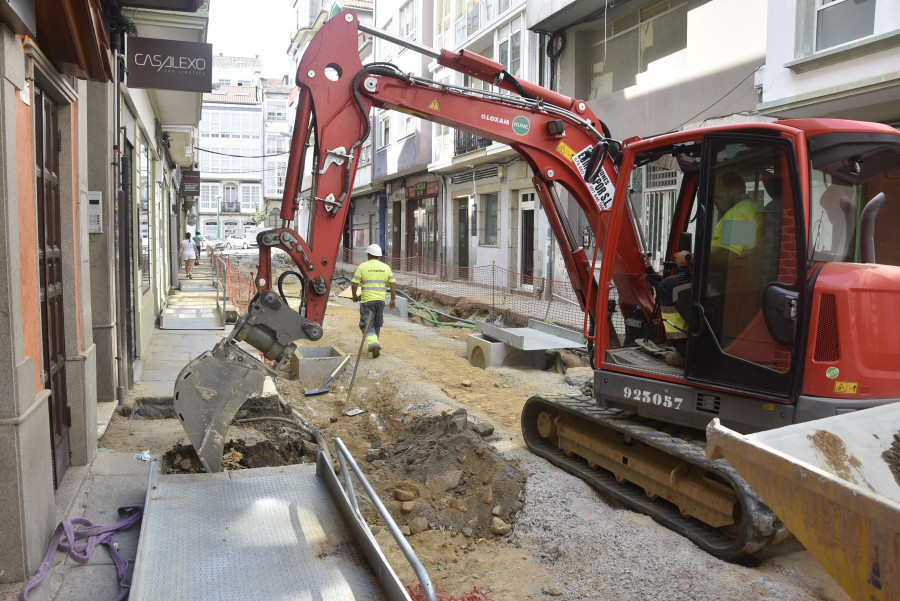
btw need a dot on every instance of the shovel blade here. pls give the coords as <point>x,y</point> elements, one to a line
<point>209,392</point>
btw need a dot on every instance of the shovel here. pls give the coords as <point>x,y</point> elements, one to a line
<point>362,344</point>
<point>324,387</point>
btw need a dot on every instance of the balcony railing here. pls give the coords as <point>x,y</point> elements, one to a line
<point>465,142</point>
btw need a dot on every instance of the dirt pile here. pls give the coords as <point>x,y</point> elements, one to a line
<point>442,474</point>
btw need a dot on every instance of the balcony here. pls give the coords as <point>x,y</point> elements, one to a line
<point>464,142</point>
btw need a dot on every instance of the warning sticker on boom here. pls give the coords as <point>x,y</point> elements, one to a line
<point>602,188</point>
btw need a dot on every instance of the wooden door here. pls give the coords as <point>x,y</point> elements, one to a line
<point>53,370</point>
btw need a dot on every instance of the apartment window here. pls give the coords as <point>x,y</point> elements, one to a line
<point>842,21</point>
<point>472,16</point>
<point>407,21</point>
<point>407,126</point>
<point>144,190</point>
<point>231,124</point>
<point>631,43</point>
<point>275,174</point>
<point>250,197</point>
<point>230,200</point>
<point>209,197</point>
<point>385,130</point>
<point>491,220</point>
<point>509,48</point>
<point>276,110</point>
<point>276,143</point>
<point>365,152</point>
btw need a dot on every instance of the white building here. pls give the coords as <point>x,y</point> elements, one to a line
<point>231,152</point>
<point>278,122</point>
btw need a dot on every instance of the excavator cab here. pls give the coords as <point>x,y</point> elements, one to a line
<point>771,209</point>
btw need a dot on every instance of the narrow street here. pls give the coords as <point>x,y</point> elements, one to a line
<point>566,541</point>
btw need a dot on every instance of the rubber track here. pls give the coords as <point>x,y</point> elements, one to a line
<point>759,527</point>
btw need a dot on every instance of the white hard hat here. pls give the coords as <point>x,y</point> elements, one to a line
<point>374,250</point>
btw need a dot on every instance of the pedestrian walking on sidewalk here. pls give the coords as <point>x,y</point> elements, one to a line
<point>374,277</point>
<point>188,254</point>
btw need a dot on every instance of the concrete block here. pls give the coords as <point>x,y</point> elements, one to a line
<point>401,309</point>
<point>313,364</point>
<point>484,352</point>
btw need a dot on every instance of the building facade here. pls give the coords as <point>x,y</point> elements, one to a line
<point>278,124</point>
<point>838,59</point>
<point>91,191</point>
<point>231,151</point>
<point>648,67</point>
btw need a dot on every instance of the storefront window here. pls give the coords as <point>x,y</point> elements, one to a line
<point>144,214</point>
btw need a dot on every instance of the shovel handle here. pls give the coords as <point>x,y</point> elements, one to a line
<point>362,343</point>
<point>339,367</point>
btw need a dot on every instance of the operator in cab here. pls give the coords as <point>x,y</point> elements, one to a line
<point>736,234</point>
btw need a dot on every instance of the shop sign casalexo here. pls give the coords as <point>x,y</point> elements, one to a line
<point>169,65</point>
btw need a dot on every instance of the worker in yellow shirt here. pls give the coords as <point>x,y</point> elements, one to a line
<point>374,277</point>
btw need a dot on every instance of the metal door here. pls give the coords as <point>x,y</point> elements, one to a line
<point>462,235</point>
<point>53,370</point>
<point>527,246</point>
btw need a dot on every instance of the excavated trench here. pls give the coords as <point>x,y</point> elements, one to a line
<point>434,472</point>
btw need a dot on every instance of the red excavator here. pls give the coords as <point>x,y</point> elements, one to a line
<point>782,316</point>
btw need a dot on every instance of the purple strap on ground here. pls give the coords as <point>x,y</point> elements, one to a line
<point>65,537</point>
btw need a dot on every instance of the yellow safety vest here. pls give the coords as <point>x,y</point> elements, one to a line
<point>740,230</point>
<point>374,277</point>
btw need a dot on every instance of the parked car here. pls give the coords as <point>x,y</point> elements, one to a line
<point>206,241</point>
<point>240,241</point>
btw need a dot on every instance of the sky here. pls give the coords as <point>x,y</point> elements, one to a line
<point>253,27</point>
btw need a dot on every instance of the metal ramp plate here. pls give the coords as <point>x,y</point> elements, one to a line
<point>261,534</point>
<point>538,336</point>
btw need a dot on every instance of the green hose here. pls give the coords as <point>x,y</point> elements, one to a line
<point>435,321</point>
<point>559,366</point>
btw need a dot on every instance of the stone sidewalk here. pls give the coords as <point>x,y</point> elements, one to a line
<point>113,479</point>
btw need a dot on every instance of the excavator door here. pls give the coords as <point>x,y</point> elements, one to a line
<point>748,277</point>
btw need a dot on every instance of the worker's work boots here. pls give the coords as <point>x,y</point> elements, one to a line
<point>375,349</point>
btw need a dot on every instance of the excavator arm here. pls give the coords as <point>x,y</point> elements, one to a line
<point>558,137</point>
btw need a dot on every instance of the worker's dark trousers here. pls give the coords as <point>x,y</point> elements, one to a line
<point>376,308</point>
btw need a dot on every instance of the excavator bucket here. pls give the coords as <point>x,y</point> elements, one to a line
<point>209,392</point>
<point>835,483</point>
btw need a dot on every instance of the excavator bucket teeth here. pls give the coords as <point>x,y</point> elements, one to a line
<point>209,392</point>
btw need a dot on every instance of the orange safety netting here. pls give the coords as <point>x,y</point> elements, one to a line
<point>497,290</point>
